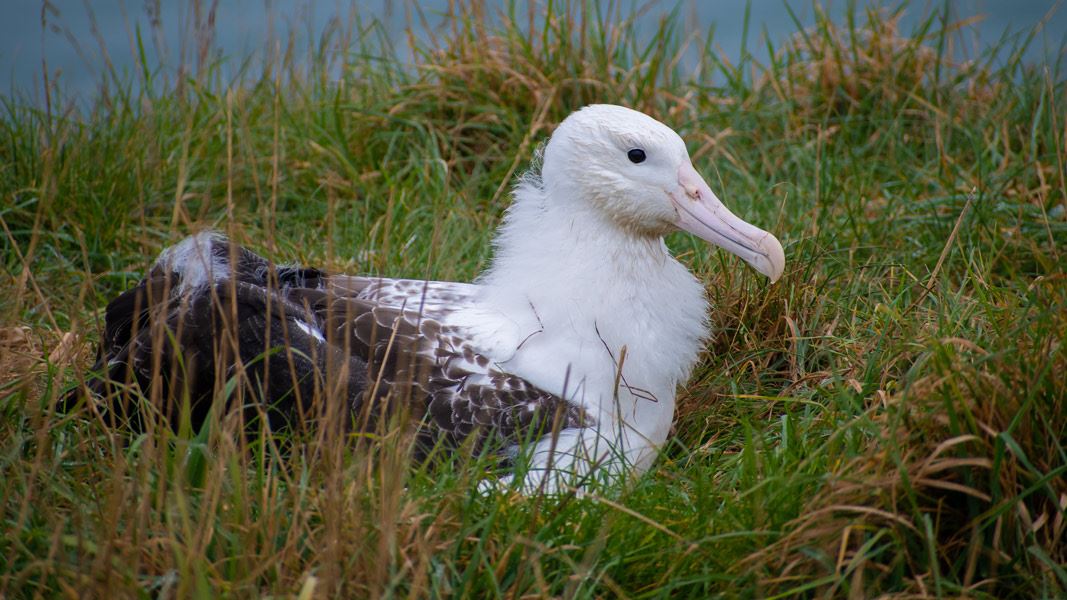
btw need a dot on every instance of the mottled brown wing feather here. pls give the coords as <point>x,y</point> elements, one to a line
<point>430,365</point>
<point>373,340</point>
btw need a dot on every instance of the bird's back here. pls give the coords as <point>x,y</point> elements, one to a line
<point>220,327</point>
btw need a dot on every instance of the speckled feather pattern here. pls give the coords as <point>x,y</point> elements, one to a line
<point>385,335</point>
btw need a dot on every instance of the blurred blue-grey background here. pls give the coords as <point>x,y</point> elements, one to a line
<point>77,40</point>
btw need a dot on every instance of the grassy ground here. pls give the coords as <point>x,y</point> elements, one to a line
<point>887,419</point>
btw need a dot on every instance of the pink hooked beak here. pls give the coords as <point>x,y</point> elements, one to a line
<point>702,214</point>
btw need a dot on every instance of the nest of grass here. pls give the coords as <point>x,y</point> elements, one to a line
<point>967,469</point>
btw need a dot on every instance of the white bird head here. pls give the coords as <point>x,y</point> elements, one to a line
<point>637,172</point>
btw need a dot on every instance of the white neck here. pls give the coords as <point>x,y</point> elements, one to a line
<point>593,288</point>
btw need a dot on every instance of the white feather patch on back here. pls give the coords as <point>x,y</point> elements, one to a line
<point>433,298</point>
<point>311,330</point>
<point>194,261</point>
<point>487,330</point>
<point>491,332</point>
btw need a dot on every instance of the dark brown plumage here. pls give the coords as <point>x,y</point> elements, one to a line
<point>299,346</point>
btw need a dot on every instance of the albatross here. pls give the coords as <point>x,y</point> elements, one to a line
<point>563,357</point>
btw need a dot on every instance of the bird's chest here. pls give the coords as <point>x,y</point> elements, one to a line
<point>593,360</point>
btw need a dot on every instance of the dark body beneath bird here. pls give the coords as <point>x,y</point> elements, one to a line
<point>216,325</point>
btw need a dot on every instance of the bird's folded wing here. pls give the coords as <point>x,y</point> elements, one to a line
<point>431,297</point>
<point>487,331</point>
<point>437,365</point>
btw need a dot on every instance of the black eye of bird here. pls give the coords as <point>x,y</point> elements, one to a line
<point>636,155</point>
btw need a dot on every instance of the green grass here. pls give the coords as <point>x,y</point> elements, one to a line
<point>889,418</point>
